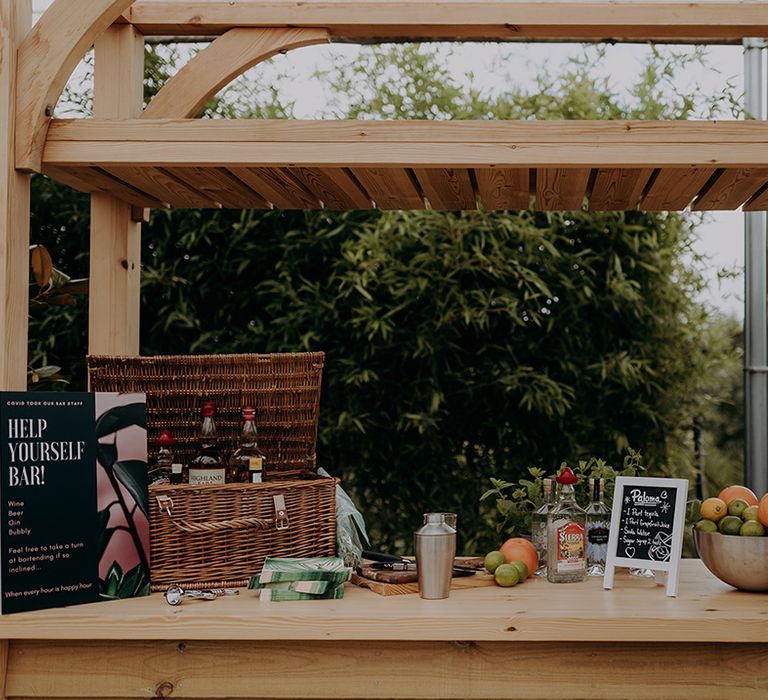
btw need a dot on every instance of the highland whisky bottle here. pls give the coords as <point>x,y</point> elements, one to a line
<point>207,466</point>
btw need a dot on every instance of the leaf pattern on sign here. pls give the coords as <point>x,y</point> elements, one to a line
<point>117,585</point>
<point>128,480</point>
<point>133,475</point>
<point>121,417</point>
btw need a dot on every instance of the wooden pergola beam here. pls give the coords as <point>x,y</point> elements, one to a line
<point>15,22</point>
<point>415,144</point>
<point>115,249</point>
<point>355,20</point>
<point>186,93</point>
<point>46,59</point>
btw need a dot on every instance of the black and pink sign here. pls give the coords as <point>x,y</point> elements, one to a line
<point>73,497</point>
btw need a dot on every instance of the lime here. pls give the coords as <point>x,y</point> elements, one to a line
<point>507,575</point>
<point>752,528</point>
<point>706,526</point>
<point>493,560</point>
<point>750,513</point>
<point>730,525</point>
<point>522,569</point>
<point>737,506</point>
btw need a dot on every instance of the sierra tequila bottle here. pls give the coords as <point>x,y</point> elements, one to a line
<point>566,546</point>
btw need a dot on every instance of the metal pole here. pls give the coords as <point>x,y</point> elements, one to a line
<point>755,297</point>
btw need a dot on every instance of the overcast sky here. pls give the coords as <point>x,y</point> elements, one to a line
<point>722,234</point>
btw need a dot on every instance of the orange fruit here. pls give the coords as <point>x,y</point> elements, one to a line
<point>730,493</point>
<point>521,549</point>
<point>713,509</point>
<point>762,510</point>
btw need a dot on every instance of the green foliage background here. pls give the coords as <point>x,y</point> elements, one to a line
<point>460,346</point>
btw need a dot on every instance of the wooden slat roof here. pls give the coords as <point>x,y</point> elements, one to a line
<point>452,165</point>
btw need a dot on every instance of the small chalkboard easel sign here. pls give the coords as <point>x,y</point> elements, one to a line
<point>647,526</point>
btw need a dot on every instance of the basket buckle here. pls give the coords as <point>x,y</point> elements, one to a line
<point>281,514</point>
<point>165,503</point>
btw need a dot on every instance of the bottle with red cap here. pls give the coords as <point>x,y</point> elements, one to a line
<point>208,466</point>
<point>162,469</point>
<point>566,542</point>
<point>246,465</point>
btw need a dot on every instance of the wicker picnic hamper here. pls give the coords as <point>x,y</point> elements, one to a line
<point>214,536</point>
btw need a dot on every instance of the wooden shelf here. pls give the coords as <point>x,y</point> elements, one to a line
<point>451,165</point>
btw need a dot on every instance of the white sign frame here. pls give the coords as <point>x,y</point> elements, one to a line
<point>623,483</point>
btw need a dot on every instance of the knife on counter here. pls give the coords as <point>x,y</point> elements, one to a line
<point>395,563</point>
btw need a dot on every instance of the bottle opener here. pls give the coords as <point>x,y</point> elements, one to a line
<point>175,594</point>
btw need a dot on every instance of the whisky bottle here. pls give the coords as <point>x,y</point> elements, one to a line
<point>207,466</point>
<point>160,471</point>
<point>566,546</point>
<point>598,526</point>
<point>539,526</point>
<point>247,461</point>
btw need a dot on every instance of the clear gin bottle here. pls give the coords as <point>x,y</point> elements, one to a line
<point>539,526</point>
<point>598,526</point>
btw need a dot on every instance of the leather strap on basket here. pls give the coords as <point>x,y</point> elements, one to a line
<point>165,504</point>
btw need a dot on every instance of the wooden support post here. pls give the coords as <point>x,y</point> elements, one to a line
<point>15,22</point>
<point>114,302</point>
<point>4,649</point>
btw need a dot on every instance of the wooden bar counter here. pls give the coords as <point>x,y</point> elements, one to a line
<point>536,640</point>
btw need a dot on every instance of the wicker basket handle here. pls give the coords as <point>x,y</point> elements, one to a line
<point>280,522</point>
<point>216,525</point>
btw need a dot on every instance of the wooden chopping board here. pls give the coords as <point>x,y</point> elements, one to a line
<point>386,582</point>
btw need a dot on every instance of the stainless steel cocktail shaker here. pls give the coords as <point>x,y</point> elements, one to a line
<point>435,546</point>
